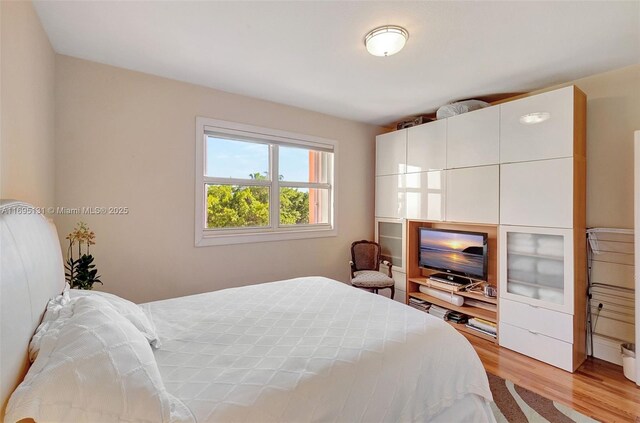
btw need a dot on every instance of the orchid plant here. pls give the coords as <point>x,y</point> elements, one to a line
<point>80,272</point>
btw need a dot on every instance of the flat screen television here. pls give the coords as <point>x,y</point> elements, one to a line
<point>456,253</point>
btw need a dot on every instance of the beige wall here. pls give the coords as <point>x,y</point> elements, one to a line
<point>613,114</point>
<point>27,101</point>
<point>128,139</point>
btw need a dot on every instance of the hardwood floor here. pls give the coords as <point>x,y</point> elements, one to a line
<point>598,389</point>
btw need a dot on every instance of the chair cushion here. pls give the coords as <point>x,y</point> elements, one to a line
<point>371,279</point>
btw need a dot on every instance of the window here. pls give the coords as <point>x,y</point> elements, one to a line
<point>256,184</point>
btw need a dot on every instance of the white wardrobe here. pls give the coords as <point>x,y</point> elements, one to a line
<point>521,165</point>
<point>542,227</point>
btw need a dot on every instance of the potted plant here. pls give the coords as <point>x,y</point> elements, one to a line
<point>80,272</point>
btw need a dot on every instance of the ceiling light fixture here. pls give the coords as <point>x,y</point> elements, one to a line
<point>386,40</point>
<point>533,118</point>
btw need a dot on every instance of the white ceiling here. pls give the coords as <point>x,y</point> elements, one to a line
<point>311,54</point>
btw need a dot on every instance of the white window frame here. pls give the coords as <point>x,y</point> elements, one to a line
<point>273,232</point>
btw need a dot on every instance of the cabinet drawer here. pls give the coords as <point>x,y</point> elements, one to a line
<point>537,193</point>
<point>473,139</point>
<point>538,346</point>
<point>540,320</point>
<point>551,138</point>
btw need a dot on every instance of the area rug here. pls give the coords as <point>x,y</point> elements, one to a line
<point>514,404</point>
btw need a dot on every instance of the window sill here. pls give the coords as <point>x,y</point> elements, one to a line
<point>207,239</point>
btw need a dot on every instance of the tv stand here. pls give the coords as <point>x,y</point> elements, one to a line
<point>450,279</point>
<point>476,304</point>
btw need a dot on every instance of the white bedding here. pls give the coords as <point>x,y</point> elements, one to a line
<point>313,349</point>
<point>92,365</point>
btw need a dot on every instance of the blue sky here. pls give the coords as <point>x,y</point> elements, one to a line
<point>226,158</point>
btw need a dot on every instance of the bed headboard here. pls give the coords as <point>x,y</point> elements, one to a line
<point>31,273</point>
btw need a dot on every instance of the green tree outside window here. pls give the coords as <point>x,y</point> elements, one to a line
<point>230,206</point>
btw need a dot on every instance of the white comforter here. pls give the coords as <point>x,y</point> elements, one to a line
<point>312,349</point>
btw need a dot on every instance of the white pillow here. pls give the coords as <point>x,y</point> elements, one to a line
<point>126,308</point>
<point>56,309</point>
<point>94,366</point>
<point>459,108</point>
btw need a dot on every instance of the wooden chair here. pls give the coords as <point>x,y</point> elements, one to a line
<point>365,267</point>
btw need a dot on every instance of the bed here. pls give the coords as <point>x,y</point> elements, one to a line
<point>306,349</point>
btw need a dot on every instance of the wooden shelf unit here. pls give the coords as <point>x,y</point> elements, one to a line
<point>474,295</point>
<point>469,310</point>
<point>417,276</point>
<point>462,328</point>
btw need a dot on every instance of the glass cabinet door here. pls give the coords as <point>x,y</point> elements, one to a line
<point>537,266</point>
<point>390,236</point>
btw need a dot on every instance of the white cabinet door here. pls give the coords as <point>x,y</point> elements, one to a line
<point>390,234</point>
<point>390,196</point>
<point>472,194</point>
<point>537,193</point>
<point>536,267</point>
<point>524,139</point>
<point>427,147</point>
<point>473,139</point>
<point>391,153</point>
<point>425,195</point>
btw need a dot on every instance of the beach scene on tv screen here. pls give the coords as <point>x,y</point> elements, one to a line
<point>460,253</point>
